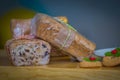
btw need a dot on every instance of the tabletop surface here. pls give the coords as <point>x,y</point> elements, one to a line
<point>58,68</point>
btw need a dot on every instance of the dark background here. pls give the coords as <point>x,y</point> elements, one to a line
<point>98,20</point>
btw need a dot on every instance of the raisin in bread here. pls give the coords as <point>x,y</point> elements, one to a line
<point>25,52</point>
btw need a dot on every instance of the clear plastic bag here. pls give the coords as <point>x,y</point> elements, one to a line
<point>62,36</point>
<point>21,28</point>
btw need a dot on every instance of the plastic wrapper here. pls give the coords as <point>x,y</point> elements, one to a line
<point>62,36</point>
<point>21,29</point>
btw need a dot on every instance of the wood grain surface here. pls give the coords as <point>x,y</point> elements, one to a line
<point>58,69</point>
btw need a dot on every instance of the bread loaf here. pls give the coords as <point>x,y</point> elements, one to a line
<point>21,28</point>
<point>24,52</point>
<point>61,36</point>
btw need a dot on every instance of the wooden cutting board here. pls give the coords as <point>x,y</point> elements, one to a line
<point>58,69</point>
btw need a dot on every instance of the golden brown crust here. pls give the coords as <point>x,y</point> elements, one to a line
<point>86,64</point>
<point>111,61</point>
<point>51,30</point>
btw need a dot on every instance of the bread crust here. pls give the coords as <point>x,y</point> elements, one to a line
<point>85,64</point>
<point>56,33</point>
<point>111,61</point>
<point>24,26</point>
<point>24,52</point>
